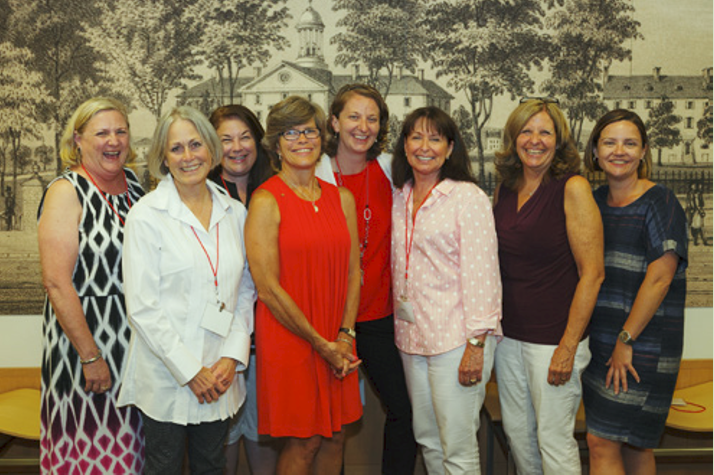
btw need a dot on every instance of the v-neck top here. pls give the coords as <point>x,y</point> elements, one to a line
<point>538,269</point>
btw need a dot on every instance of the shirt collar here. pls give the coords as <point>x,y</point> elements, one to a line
<point>167,198</point>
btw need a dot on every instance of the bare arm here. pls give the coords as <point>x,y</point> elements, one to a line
<point>261,241</point>
<point>59,248</point>
<point>349,316</point>
<point>649,297</point>
<point>585,235</point>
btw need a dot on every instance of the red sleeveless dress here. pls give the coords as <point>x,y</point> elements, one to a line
<point>298,395</point>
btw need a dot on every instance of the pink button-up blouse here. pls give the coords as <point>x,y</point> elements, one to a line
<point>454,283</point>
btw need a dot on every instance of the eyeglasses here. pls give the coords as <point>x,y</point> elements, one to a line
<point>293,134</point>
<point>547,100</point>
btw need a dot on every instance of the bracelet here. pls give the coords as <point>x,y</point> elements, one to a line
<point>92,359</point>
<point>344,340</point>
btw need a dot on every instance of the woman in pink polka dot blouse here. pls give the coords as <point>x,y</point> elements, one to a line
<point>447,288</point>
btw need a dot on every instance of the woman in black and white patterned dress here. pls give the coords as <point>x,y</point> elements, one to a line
<point>85,329</point>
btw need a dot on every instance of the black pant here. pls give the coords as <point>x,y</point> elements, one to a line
<point>166,441</point>
<point>383,366</point>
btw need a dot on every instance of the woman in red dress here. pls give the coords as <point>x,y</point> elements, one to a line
<point>301,239</point>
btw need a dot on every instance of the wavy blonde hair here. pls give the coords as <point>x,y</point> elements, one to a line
<point>566,159</point>
<point>69,152</point>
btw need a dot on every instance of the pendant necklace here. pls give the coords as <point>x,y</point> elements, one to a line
<point>297,191</point>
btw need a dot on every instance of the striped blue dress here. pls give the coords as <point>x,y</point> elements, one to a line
<point>635,236</point>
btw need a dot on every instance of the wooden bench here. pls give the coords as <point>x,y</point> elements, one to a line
<point>19,411</point>
<point>694,384</point>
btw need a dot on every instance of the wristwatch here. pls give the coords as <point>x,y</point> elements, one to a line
<point>476,342</point>
<point>349,331</point>
<point>625,337</point>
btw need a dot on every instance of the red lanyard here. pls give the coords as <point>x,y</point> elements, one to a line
<point>409,239</point>
<point>128,198</point>
<point>225,186</point>
<point>366,214</point>
<point>210,262</point>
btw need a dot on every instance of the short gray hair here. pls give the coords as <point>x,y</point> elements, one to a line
<point>159,143</point>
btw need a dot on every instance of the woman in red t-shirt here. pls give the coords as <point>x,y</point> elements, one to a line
<point>357,128</point>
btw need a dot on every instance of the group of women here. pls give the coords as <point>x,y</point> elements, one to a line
<point>395,263</point>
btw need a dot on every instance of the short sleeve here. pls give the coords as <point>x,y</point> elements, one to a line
<point>666,227</point>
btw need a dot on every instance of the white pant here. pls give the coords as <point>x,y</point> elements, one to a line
<point>446,414</point>
<point>539,419</point>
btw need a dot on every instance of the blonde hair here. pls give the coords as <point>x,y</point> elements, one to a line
<point>159,143</point>
<point>69,152</point>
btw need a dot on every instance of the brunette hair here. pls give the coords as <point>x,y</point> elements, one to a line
<point>261,170</point>
<point>338,103</point>
<point>456,167</point>
<point>283,116</point>
<point>645,167</point>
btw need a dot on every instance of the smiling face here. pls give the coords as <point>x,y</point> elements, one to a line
<point>239,148</point>
<point>357,124</point>
<point>619,150</point>
<point>187,157</point>
<point>104,143</point>
<point>426,151</point>
<point>302,153</point>
<point>536,143</point>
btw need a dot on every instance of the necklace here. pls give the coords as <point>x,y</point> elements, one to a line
<point>300,194</point>
<point>366,214</point>
<point>128,198</point>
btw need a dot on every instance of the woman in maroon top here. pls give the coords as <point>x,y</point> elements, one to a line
<point>551,254</point>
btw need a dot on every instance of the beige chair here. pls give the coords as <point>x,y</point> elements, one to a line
<point>19,411</point>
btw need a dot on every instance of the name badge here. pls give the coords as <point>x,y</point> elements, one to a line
<point>217,319</point>
<point>405,310</point>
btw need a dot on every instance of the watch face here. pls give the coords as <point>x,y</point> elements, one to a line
<point>625,337</point>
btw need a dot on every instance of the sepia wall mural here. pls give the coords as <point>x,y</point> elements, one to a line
<point>473,58</point>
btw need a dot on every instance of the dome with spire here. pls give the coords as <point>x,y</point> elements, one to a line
<point>310,18</point>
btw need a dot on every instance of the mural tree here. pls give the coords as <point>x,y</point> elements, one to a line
<point>239,33</point>
<point>704,126</point>
<point>44,155</point>
<point>587,35</point>
<point>381,34</point>
<point>21,94</point>
<point>465,123</point>
<point>150,46</point>
<point>395,129</point>
<point>661,129</point>
<point>487,49</point>
<point>53,32</point>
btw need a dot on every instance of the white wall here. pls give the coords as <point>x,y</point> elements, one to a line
<point>20,341</point>
<point>21,345</point>
<point>698,333</point>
